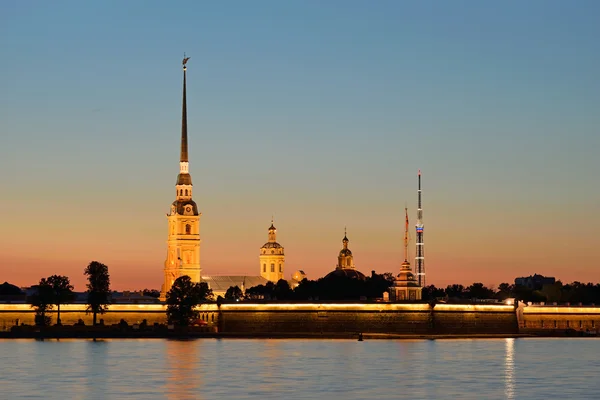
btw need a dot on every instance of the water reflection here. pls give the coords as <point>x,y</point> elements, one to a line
<point>96,373</point>
<point>183,369</point>
<point>509,368</point>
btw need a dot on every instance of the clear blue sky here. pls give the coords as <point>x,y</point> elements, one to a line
<point>318,111</point>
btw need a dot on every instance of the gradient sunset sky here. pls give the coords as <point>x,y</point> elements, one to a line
<point>317,112</point>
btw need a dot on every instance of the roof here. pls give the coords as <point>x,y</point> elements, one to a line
<point>271,245</point>
<point>184,179</point>
<point>345,253</point>
<point>181,205</point>
<point>220,283</point>
<point>346,272</point>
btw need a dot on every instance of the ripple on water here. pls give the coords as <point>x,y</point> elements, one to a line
<point>301,369</point>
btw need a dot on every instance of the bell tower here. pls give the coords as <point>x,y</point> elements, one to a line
<point>183,240</point>
<point>272,259</point>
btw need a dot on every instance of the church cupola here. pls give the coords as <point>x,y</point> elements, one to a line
<point>345,258</point>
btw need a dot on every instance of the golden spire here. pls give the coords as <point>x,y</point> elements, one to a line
<point>406,235</point>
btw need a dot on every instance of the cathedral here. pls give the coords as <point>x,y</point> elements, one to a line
<point>183,243</point>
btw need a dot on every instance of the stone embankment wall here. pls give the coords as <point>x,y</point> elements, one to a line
<point>248,318</point>
<point>396,318</point>
<point>549,319</point>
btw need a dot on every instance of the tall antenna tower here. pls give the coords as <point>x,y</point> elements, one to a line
<point>420,257</point>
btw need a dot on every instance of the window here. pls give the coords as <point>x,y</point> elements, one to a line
<point>264,267</point>
<point>348,262</point>
<point>272,267</point>
<point>280,268</point>
<point>188,229</point>
<point>186,192</point>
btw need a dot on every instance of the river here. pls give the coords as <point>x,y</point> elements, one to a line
<point>524,368</point>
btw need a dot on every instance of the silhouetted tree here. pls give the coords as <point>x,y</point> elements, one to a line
<point>282,290</point>
<point>234,293</point>
<point>42,301</point>
<point>151,293</point>
<point>98,288</point>
<point>505,290</point>
<point>183,298</point>
<point>455,291</point>
<point>431,293</point>
<point>553,293</point>
<point>479,291</point>
<point>62,291</point>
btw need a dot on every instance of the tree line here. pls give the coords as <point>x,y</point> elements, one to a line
<point>55,290</point>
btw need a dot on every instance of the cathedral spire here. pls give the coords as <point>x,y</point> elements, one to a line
<point>406,235</point>
<point>184,140</point>
<point>184,177</point>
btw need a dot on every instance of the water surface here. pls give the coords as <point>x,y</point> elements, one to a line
<point>301,369</point>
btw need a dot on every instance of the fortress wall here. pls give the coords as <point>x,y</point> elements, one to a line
<point>559,318</point>
<point>418,318</point>
<point>71,313</point>
<point>468,319</point>
<point>317,318</point>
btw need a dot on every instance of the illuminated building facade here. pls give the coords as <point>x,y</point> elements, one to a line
<point>183,243</point>
<point>272,258</point>
<point>345,265</point>
<point>406,287</point>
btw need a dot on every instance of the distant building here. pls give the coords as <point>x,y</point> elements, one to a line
<point>535,282</point>
<point>11,294</point>
<point>345,266</point>
<point>272,259</point>
<point>297,277</point>
<point>220,283</point>
<point>129,297</point>
<point>183,243</point>
<point>405,287</point>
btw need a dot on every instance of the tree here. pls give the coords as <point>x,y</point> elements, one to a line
<point>282,290</point>
<point>455,291</point>
<point>183,298</point>
<point>505,290</point>
<point>42,301</point>
<point>479,291</point>
<point>432,293</point>
<point>151,293</point>
<point>98,288</point>
<point>234,293</point>
<point>62,292</point>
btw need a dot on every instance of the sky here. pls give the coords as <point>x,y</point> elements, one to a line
<point>318,113</point>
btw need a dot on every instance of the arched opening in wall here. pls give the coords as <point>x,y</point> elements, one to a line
<point>212,317</point>
<point>188,229</point>
<point>186,192</point>
<point>280,268</point>
<point>348,263</point>
<point>272,267</point>
<point>264,267</point>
